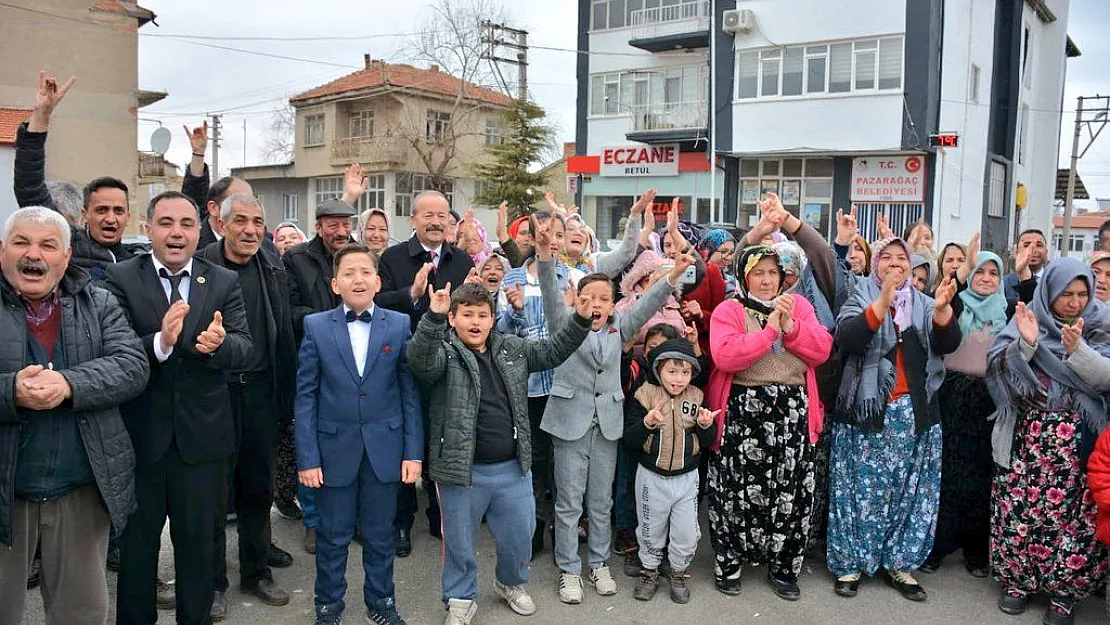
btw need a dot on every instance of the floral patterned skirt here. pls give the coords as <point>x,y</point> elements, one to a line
<point>1043,514</point>
<point>884,492</point>
<point>761,481</point>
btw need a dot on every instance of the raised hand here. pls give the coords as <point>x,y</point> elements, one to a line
<point>420,282</point>
<point>355,183</point>
<point>785,307</point>
<point>472,277</point>
<point>654,418</point>
<point>690,333</point>
<point>552,204</point>
<point>1071,335</point>
<point>213,336</point>
<point>643,203</point>
<point>515,297</point>
<point>583,304</point>
<point>312,478</point>
<point>883,224</point>
<point>543,240</point>
<point>47,97</point>
<point>1021,262</point>
<point>847,227</point>
<point>440,300</point>
<point>172,322</point>
<point>944,294</point>
<point>1027,324</point>
<point>502,228</point>
<point>915,236</point>
<point>198,138</point>
<point>672,219</point>
<point>649,227</point>
<point>683,261</point>
<point>691,309</point>
<point>707,417</point>
<point>570,295</point>
<point>410,471</point>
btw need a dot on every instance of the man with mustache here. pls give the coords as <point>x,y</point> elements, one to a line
<point>407,270</point>
<point>106,211</point>
<point>261,395</point>
<point>190,316</point>
<point>66,464</point>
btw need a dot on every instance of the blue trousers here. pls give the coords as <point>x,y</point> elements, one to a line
<point>307,498</point>
<point>504,495</point>
<point>372,504</point>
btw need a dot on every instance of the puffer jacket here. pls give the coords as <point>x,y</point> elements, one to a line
<point>1098,476</point>
<point>106,366</point>
<point>676,446</point>
<point>646,264</point>
<point>450,370</point>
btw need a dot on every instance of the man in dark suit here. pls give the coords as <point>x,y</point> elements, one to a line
<point>261,398</point>
<point>407,269</point>
<point>190,316</point>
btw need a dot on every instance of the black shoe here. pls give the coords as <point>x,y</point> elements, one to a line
<point>289,510</point>
<point>930,565</point>
<point>624,542</point>
<point>267,591</point>
<point>1060,612</point>
<point>680,589</point>
<point>278,557</point>
<point>384,612</point>
<point>434,526</point>
<point>646,585</point>
<point>980,572</point>
<point>728,585</point>
<point>847,586</point>
<point>632,565</point>
<point>219,607</point>
<point>905,584</point>
<point>403,538</point>
<point>784,589</point>
<point>34,576</point>
<point>325,618</point>
<point>112,561</point>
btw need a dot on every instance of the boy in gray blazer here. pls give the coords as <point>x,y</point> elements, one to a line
<point>585,415</point>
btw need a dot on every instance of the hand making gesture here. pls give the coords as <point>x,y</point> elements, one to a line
<point>1027,324</point>
<point>172,323</point>
<point>48,96</point>
<point>198,138</point>
<point>213,336</point>
<point>440,300</point>
<point>654,418</point>
<point>847,227</point>
<point>883,225</point>
<point>707,417</point>
<point>420,282</point>
<point>643,203</point>
<point>355,183</point>
<point>1071,335</point>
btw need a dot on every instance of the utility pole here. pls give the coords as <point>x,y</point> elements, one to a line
<point>517,40</point>
<point>1101,115</point>
<point>215,145</point>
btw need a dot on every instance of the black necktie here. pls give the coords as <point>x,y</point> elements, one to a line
<point>363,316</point>
<point>175,283</point>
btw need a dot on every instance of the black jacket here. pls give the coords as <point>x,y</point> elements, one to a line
<point>187,400</point>
<point>196,187</point>
<point>279,324</point>
<point>398,268</point>
<point>29,184</point>
<point>105,367</point>
<point>309,272</point>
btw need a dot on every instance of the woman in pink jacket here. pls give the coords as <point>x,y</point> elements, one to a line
<point>646,269</point>
<point>765,346</point>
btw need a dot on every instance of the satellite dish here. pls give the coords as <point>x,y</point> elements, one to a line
<point>160,140</point>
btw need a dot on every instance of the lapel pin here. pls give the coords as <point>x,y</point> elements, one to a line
<point>200,279</point>
<point>387,349</point>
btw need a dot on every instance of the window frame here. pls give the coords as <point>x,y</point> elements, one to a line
<point>311,122</point>
<point>320,195</point>
<point>361,117</point>
<point>436,125</point>
<point>291,200</point>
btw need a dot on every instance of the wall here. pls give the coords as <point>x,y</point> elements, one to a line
<point>7,193</point>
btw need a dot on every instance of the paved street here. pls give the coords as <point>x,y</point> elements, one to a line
<point>954,596</point>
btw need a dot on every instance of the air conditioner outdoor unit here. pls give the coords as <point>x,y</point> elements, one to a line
<point>738,21</point>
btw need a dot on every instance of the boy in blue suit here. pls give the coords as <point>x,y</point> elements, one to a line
<point>359,433</point>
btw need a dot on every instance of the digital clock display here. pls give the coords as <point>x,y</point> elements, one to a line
<point>949,140</point>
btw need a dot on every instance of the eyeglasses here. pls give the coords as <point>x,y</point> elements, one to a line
<point>726,252</point>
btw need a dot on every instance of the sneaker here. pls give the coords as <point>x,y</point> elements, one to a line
<point>646,585</point>
<point>517,597</point>
<point>930,565</point>
<point>1013,602</point>
<point>632,565</point>
<point>167,597</point>
<point>460,611</point>
<point>847,585</point>
<point>219,607</point>
<point>625,542</point>
<point>905,584</point>
<point>728,584</point>
<point>1059,612</point>
<point>329,619</point>
<point>570,588</point>
<point>680,590</point>
<point>289,510</point>
<point>384,612</point>
<point>603,581</point>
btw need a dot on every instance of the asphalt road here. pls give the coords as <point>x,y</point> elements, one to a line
<point>954,596</point>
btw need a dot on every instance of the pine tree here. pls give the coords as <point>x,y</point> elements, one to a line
<point>507,175</point>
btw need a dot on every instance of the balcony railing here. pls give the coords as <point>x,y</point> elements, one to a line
<point>662,21</point>
<point>663,116</point>
<point>370,151</point>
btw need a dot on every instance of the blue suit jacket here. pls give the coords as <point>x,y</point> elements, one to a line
<point>341,416</point>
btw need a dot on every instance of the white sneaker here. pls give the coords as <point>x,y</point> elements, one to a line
<point>460,611</point>
<point>570,588</point>
<point>517,597</point>
<point>603,581</point>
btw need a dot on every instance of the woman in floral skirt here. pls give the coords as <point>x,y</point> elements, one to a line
<point>1049,372</point>
<point>765,346</point>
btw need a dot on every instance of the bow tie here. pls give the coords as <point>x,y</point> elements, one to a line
<point>363,316</point>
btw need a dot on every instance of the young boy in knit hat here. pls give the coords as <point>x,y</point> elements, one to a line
<point>666,427</point>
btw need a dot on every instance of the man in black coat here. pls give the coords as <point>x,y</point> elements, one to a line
<point>190,316</point>
<point>68,358</point>
<point>261,395</point>
<point>407,270</point>
<point>309,266</point>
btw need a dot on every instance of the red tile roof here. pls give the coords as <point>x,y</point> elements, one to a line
<point>10,119</point>
<point>379,74</point>
<point>1085,221</point>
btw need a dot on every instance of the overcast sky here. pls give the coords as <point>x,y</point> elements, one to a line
<point>249,87</point>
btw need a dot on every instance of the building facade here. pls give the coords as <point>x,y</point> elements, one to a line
<point>411,129</point>
<point>830,105</point>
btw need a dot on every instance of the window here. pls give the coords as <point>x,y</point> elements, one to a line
<point>482,187</point>
<point>792,61</point>
<point>326,189</point>
<point>769,72</point>
<point>632,92</point>
<point>1023,132</point>
<point>496,132</point>
<point>996,202</point>
<point>1026,59</point>
<point>409,186</point>
<point>804,185</point>
<point>973,84</point>
<point>314,129</point>
<point>840,68</point>
<point>890,63</point>
<point>866,58</point>
<point>361,124</point>
<point>437,126</point>
<point>816,68</point>
<point>375,193</point>
<point>846,67</point>
<point>747,81</point>
<point>608,14</point>
<point>1078,242</point>
<point>290,207</point>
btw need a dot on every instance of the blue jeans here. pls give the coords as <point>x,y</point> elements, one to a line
<point>624,499</point>
<point>307,498</point>
<point>504,495</point>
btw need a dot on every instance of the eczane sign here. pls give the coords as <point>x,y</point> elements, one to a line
<point>639,160</point>
<point>888,179</point>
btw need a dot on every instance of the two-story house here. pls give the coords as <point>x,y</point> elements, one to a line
<point>412,129</point>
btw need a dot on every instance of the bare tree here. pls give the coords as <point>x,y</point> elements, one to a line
<point>280,136</point>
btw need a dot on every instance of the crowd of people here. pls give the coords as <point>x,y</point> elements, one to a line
<point>880,405</point>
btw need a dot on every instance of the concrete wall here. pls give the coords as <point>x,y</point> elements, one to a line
<point>93,132</point>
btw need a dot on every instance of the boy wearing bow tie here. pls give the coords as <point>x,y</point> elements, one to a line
<point>359,433</point>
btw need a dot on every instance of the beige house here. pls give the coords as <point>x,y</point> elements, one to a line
<point>94,132</point>
<point>412,129</point>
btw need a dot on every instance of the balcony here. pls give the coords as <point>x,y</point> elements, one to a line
<point>373,153</point>
<point>674,27</point>
<point>669,122</point>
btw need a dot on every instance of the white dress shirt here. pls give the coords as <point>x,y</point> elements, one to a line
<point>182,288</point>
<point>359,332</point>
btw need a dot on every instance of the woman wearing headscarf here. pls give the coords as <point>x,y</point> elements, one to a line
<point>648,268</point>
<point>1100,268</point>
<point>982,311</point>
<point>1049,372</point>
<point>766,345</point>
<point>718,247</point>
<point>886,436</point>
<point>922,273</point>
<point>373,229</point>
<point>473,240</point>
<point>286,235</point>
